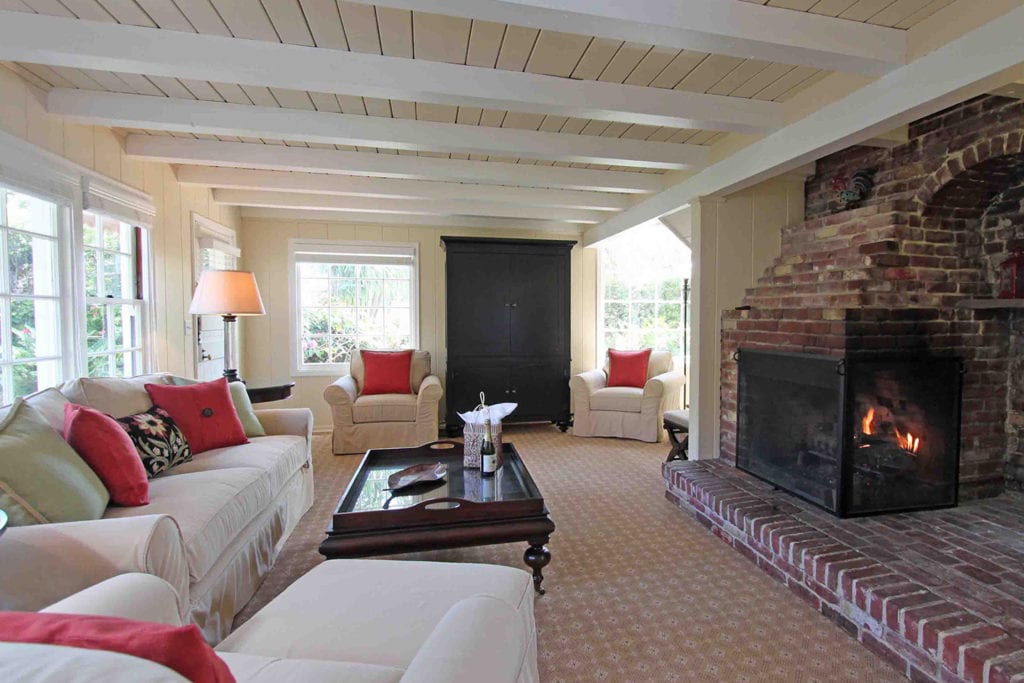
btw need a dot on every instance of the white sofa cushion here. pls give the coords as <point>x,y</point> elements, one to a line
<point>211,508</point>
<point>113,395</point>
<point>257,669</point>
<point>354,610</point>
<point>33,663</point>
<point>384,408</point>
<point>279,456</point>
<point>619,399</point>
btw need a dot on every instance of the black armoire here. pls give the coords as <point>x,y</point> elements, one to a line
<point>508,327</point>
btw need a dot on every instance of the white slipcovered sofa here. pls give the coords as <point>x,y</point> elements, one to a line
<point>626,412</point>
<point>212,529</point>
<point>378,621</point>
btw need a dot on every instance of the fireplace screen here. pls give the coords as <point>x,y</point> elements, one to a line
<point>854,435</point>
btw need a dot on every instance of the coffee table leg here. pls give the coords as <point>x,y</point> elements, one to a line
<point>537,557</point>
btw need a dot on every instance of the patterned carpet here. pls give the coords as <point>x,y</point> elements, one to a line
<point>636,590</point>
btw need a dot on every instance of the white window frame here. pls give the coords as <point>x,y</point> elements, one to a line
<point>299,245</point>
<point>27,168</point>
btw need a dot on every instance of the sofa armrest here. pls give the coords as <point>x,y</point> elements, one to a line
<point>44,563</point>
<point>287,422</point>
<point>584,384</point>
<point>665,389</point>
<point>342,392</point>
<point>430,390</point>
<point>481,638</point>
<point>142,597</point>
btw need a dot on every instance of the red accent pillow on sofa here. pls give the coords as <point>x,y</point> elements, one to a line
<point>386,372</point>
<point>109,451</point>
<point>204,412</point>
<point>628,368</point>
<point>180,648</point>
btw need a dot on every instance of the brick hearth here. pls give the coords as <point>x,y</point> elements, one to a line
<point>938,594</point>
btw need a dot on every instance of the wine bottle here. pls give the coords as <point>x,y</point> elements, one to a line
<point>488,454</point>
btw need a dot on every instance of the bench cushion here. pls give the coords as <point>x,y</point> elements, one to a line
<point>385,408</point>
<point>279,456</point>
<point>618,399</point>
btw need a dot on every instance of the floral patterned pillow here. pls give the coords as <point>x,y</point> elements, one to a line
<point>157,438</point>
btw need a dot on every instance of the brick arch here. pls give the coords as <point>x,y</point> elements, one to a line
<point>969,179</point>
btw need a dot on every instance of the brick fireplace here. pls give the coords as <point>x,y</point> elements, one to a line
<point>907,270</point>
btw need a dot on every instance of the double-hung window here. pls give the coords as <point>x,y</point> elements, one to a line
<point>114,295</point>
<point>348,296</point>
<point>32,348</point>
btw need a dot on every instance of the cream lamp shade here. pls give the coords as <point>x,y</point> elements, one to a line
<point>227,292</point>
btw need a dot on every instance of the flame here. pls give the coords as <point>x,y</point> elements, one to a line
<point>866,422</point>
<point>908,441</point>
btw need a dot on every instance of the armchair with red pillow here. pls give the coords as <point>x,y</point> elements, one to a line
<point>628,397</point>
<point>389,399</point>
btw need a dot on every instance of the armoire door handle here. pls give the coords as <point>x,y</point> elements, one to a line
<point>515,305</point>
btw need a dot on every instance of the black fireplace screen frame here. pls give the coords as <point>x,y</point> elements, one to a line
<point>777,361</point>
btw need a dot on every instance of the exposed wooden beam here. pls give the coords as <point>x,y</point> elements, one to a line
<point>386,188</point>
<point>412,219</point>
<point>961,69</point>
<point>216,118</point>
<point>247,155</point>
<point>57,41</point>
<point>427,207</point>
<point>727,27</point>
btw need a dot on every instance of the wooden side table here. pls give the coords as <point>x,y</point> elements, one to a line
<point>263,392</point>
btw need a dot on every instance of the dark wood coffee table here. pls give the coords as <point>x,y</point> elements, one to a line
<point>464,510</point>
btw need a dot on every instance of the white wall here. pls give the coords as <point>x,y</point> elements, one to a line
<point>734,239</point>
<point>264,244</point>
<point>100,149</point>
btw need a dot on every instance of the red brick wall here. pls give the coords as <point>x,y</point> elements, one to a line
<point>887,276</point>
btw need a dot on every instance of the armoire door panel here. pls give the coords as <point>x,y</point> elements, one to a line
<point>537,293</point>
<point>477,291</point>
<point>465,382</point>
<point>540,389</point>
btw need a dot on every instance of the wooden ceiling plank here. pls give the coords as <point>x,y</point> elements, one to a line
<point>293,99</point>
<point>51,8</point>
<point>484,43</point>
<point>289,22</point>
<point>798,5</point>
<point>395,26</point>
<point>745,30</point>
<point>625,60</point>
<point>166,15</point>
<point>653,64</point>
<point>109,81</point>
<point>231,93</point>
<point>791,79</point>
<point>401,109</point>
<point>171,87</point>
<point>596,58</point>
<point>676,70</point>
<point>864,9</point>
<point>762,80</point>
<point>243,155</point>
<point>29,76</point>
<point>360,24</point>
<point>202,90</point>
<point>324,21</point>
<point>710,71</point>
<point>516,47</point>
<point>202,15</point>
<point>504,224</point>
<point>89,10</point>
<point>522,121</point>
<point>738,76</point>
<point>556,53</point>
<point>831,8</point>
<point>923,13</point>
<point>439,38</point>
<point>325,102</point>
<point>352,104</point>
<point>898,11</point>
<point>127,12</point>
<point>246,19</point>
<point>440,113</point>
<point>260,96</point>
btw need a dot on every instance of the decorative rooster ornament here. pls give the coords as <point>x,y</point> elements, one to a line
<point>853,190</point>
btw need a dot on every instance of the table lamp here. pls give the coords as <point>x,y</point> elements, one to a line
<point>229,294</point>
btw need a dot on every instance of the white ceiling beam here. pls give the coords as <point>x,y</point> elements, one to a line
<point>172,150</point>
<point>727,27</point>
<point>411,219</point>
<point>964,68</point>
<point>426,207</point>
<point>217,118</point>
<point>386,188</point>
<point>57,41</point>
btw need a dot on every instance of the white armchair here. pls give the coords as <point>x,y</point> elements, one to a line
<point>384,420</point>
<point>626,412</point>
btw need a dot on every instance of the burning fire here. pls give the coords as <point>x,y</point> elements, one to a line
<point>908,442</point>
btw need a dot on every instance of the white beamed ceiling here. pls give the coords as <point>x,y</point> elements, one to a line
<point>733,67</point>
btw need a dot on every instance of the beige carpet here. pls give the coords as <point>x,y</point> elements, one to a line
<point>636,590</point>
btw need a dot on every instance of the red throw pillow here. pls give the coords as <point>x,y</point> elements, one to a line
<point>180,648</point>
<point>109,451</point>
<point>204,412</point>
<point>386,372</point>
<point>628,368</point>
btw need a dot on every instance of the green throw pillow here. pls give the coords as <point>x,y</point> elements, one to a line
<point>42,479</point>
<point>243,406</point>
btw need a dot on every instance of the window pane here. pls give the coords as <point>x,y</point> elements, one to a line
<point>669,315</point>
<point>111,234</point>
<point>371,293</point>
<point>344,321</point>
<point>371,320</point>
<point>315,292</point>
<point>112,271</point>
<point>96,328</point>
<point>99,366</point>
<point>341,349</point>
<point>616,316</point>
<point>397,292</point>
<point>28,213</point>
<point>314,320</point>
<point>340,270</point>
<point>315,349</point>
<point>641,315</point>
<point>343,292</point>
<point>35,328</point>
<point>643,291</point>
<point>90,229</point>
<point>32,264</point>
<point>616,289</point>
<point>315,270</point>
<point>371,271</point>
<point>671,290</point>
<point>31,377</point>
<point>92,272</point>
